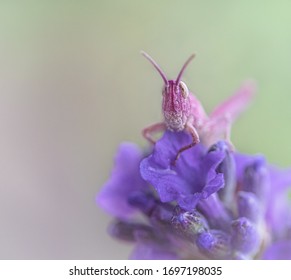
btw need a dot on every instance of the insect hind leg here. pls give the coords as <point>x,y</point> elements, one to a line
<point>218,128</point>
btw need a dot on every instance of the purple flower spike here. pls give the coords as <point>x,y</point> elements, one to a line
<point>195,202</point>
<point>114,195</point>
<point>245,237</point>
<point>193,178</point>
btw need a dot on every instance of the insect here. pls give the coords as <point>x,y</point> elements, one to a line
<point>183,111</point>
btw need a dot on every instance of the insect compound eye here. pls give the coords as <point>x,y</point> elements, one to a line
<point>184,89</point>
<point>165,90</point>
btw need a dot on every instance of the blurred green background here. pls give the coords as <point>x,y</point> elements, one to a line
<point>73,85</point>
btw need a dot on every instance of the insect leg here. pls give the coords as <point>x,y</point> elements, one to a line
<point>216,129</point>
<point>237,103</point>
<point>148,131</point>
<point>195,140</point>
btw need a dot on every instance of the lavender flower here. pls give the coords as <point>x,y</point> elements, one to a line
<point>213,204</point>
<point>124,182</point>
<point>193,178</point>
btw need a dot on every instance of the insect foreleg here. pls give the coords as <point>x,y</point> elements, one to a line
<point>150,130</point>
<point>195,140</point>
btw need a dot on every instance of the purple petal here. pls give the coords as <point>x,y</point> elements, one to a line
<point>124,181</point>
<point>278,251</point>
<point>143,201</point>
<point>278,214</point>
<point>227,167</point>
<point>194,177</point>
<point>215,212</point>
<point>281,178</point>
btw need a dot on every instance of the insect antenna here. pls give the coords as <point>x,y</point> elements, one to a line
<point>184,67</point>
<point>156,66</point>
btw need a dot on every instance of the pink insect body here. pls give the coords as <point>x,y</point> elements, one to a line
<point>176,106</point>
<point>183,111</point>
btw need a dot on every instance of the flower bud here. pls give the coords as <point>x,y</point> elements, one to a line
<point>249,206</point>
<point>215,244</point>
<point>189,223</point>
<point>227,167</point>
<point>256,179</point>
<point>245,237</point>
